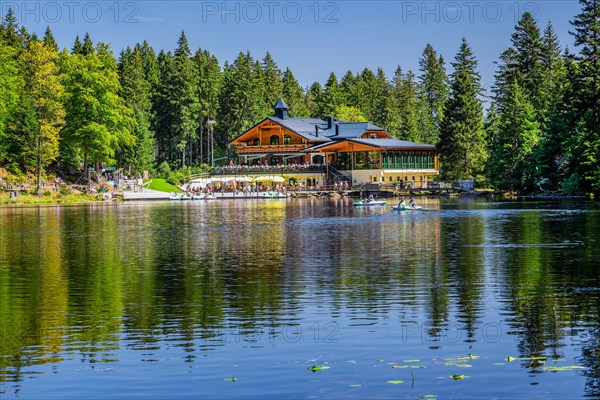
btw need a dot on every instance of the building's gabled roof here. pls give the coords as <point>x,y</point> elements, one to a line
<point>350,129</point>
<point>376,144</point>
<point>394,143</point>
<point>304,127</point>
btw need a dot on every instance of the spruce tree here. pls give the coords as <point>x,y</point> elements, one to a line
<point>331,97</point>
<point>585,146</point>
<point>433,87</point>
<point>49,40</point>
<point>462,135</point>
<point>272,80</point>
<point>293,95</point>
<point>515,144</point>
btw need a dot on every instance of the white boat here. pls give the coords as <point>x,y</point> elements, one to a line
<point>369,203</point>
<point>210,197</point>
<point>406,208</point>
<point>174,196</point>
<point>274,195</point>
<point>200,196</point>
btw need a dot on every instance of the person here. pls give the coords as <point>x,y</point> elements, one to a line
<point>412,203</point>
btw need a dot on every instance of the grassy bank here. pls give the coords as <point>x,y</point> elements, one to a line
<point>54,198</point>
<point>162,185</point>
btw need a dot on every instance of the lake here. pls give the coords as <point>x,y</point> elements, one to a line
<point>304,298</point>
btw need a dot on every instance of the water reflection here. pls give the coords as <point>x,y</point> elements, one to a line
<point>91,283</point>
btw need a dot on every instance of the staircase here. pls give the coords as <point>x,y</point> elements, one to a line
<point>340,176</point>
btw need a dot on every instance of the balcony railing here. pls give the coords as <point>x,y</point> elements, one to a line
<point>268,169</point>
<point>281,148</point>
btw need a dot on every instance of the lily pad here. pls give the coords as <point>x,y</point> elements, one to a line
<point>356,385</point>
<point>566,368</point>
<point>232,379</point>
<point>316,368</point>
<point>411,361</point>
<point>457,377</point>
<point>463,365</point>
<point>395,382</point>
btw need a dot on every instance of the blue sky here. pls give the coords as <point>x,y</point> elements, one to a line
<point>313,38</point>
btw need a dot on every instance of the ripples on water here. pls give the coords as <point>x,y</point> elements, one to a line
<point>174,300</point>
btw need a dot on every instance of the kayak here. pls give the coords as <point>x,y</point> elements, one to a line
<point>407,208</point>
<point>368,203</point>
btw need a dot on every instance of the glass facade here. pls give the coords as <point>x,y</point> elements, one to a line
<point>411,159</point>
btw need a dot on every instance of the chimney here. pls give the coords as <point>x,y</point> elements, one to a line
<point>337,129</point>
<point>329,121</point>
<point>317,130</point>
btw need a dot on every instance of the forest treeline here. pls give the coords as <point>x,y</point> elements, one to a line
<point>78,107</point>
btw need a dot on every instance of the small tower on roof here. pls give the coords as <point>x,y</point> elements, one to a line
<point>281,109</point>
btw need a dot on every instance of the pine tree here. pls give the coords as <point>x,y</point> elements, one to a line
<point>209,86</point>
<point>10,29</point>
<point>136,90</point>
<point>77,46</point>
<point>330,98</point>
<point>49,40</point>
<point>433,89</point>
<point>348,90</point>
<point>585,146</point>
<point>405,91</point>
<point>273,84</point>
<point>515,144</point>
<point>241,99</point>
<point>462,136</point>
<point>88,46</point>
<point>313,98</point>
<point>293,95</point>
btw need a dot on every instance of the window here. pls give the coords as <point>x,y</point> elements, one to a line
<point>274,141</point>
<point>373,136</point>
<point>287,139</point>
<point>257,142</point>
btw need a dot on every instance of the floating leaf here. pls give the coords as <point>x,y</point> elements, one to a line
<point>457,377</point>
<point>430,396</point>
<point>232,379</point>
<point>380,360</point>
<point>400,366</point>
<point>509,359</point>
<point>395,382</point>
<point>316,368</point>
<point>566,368</point>
<point>356,385</point>
<point>472,357</point>
<point>463,365</point>
<point>410,361</point>
<point>352,362</point>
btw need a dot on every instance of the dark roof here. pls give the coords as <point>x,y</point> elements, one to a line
<point>351,129</point>
<point>391,143</point>
<point>280,104</point>
<point>304,127</point>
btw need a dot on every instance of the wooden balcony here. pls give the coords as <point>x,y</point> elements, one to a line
<point>270,149</point>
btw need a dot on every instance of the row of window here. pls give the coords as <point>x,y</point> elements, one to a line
<point>395,159</point>
<point>274,140</point>
<point>400,159</point>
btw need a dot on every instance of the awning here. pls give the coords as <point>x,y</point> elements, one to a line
<point>257,156</point>
<point>292,155</point>
<point>271,178</point>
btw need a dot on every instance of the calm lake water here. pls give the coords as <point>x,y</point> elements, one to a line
<point>239,299</point>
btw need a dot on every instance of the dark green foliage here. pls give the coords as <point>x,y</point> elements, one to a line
<point>462,144</point>
<point>433,83</point>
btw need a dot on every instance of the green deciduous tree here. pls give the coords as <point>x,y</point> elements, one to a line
<point>43,91</point>
<point>98,121</point>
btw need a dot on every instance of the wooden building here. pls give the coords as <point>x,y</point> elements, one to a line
<point>332,150</point>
